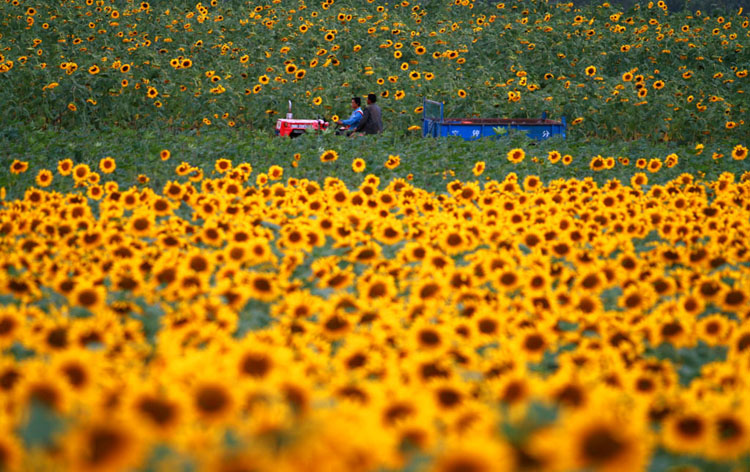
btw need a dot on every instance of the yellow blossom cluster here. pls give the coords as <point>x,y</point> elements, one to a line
<point>310,326</point>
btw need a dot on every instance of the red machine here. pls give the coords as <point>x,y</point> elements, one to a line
<point>294,127</point>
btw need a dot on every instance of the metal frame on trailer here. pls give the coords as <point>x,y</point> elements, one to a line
<point>436,125</point>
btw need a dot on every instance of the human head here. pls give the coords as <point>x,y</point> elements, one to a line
<point>356,102</point>
<point>371,98</point>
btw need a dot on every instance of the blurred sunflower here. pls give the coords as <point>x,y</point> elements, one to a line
<point>516,155</point>
<point>329,156</point>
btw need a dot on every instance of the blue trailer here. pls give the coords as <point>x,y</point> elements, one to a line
<point>436,125</point>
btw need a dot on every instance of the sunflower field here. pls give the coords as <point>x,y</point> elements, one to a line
<point>183,291</point>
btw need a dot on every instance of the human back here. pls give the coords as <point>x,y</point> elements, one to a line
<point>372,120</point>
<point>376,117</point>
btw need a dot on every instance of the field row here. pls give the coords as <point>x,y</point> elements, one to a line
<point>640,72</point>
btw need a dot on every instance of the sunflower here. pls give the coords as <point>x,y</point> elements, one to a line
<point>671,160</point>
<point>569,393</point>
<point>554,157</point>
<point>429,337</point>
<point>255,363</point>
<point>262,286</point>
<point>141,225</point>
<point>223,165</point>
<point>44,178</point>
<point>65,167</point>
<point>533,345</point>
<point>174,191</point>
<point>76,370</point>
<point>329,156</point>
<point>393,161</point>
<point>107,165</point>
<point>212,400</point>
<point>478,168</point>
<point>448,397</point>
<point>654,165</point>
<point>81,172</point>
<point>50,392</point>
<point>275,172</point>
<point>334,325</point>
<point>516,155</point>
<point>101,446</point>
<point>199,263</point>
<point>730,434</point>
<point>601,442</point>
<point>588,304</point>
<point>591,71</point>
<point>91,297</point>
<point>18,167</point>
<point>514,389</point>
<point>293,238</point>
<point>377,288</point>
<point>732,299</point>
<point>739,153</point>
<point>686,433</point>
<point>454,241</point>
<point>508,279</point>
<point>11,322</point>
<point>159,412</point>
<point>597,163</point>
<point>531,183</point>
<point>487,325</point>
<point>358,165</point>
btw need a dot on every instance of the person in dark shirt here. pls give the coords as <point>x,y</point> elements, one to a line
<point>371,122</point>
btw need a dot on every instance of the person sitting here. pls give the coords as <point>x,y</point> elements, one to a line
<point>371,122</point>
<point>356,116</point>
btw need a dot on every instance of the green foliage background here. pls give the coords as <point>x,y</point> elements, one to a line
<point>482,48</point>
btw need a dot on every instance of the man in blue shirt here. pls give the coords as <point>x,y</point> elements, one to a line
<point>356,116</point>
